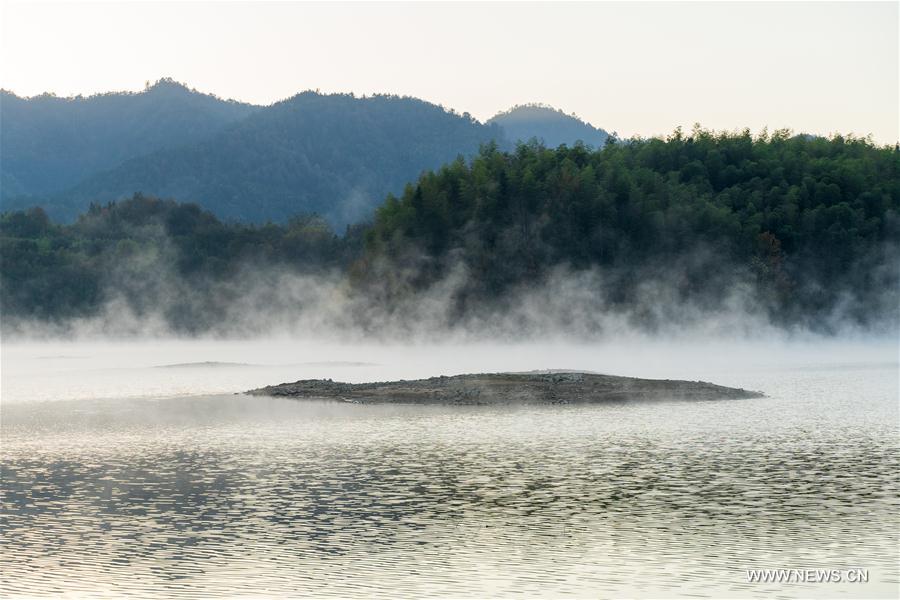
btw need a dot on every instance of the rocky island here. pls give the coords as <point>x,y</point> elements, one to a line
<point>558,387</point>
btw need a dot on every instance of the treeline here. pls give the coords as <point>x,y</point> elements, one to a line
<point>807,225</point>
<point>801,228</point>
<point>139,249</point>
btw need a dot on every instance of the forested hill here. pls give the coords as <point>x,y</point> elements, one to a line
<point>335,155</point>
<point>50,143</point>
<point>803,229</point>
<point>547,125</point>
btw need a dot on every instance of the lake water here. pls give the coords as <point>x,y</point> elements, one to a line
<point>134,469</point>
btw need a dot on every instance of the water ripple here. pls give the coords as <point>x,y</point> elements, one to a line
<point>224,496</point>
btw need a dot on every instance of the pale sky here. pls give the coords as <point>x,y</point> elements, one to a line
<point>636,68</point>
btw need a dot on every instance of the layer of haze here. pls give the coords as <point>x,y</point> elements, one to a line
<point>42,370</point>
<point>639,69</point>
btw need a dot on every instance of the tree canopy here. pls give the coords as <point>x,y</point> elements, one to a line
<point>809,224</point>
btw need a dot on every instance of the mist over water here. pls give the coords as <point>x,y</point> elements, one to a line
<point>148,301</point>
<point>696,294</point>
<point>94,368</point>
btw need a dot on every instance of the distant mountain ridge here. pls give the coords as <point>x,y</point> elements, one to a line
<point>549,125</point>
<point>337,155</point>
<point>48,143</point>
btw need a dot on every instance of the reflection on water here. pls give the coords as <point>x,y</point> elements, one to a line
<point>226,495</point>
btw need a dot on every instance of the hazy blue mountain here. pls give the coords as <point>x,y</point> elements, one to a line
<point>549,125</point>
<point>336,155</point>
<point>49,143</point>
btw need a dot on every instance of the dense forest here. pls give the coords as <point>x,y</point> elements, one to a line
<point>150,253</point>
<point>804,229</point>
<point>809,224</point>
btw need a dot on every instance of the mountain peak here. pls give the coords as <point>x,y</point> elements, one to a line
<point>550,125</point>
<point>167,84</point>
<point>533,108</point>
